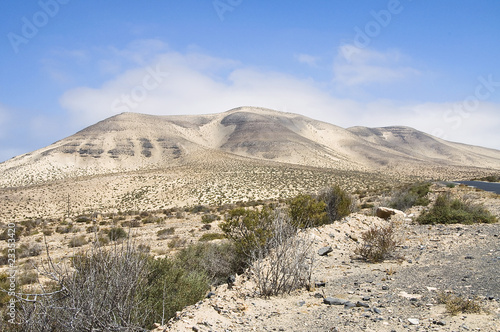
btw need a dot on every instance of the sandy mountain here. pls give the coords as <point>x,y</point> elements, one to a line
<point>132,142</point>
<point>421,146</point>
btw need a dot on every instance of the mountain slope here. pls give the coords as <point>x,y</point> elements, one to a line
<point>133,142</point>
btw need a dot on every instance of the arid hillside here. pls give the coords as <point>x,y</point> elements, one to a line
<point>133,142</point>
<point>137,161</point>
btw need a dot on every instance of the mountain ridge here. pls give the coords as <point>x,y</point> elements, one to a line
<point>134,142</point>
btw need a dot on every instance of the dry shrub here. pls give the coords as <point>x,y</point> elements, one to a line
<point>285,261</point>
<point>28,250</point>
<point>101,294</point>
<point>379,242</point>
<point>164,233</point>
<point>211,236</point>
<point>339,203</point>
<point>77,241</point>
<point>457,304</point>
<point>176,242</point>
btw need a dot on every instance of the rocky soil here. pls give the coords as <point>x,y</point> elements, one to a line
<point>350,294</point>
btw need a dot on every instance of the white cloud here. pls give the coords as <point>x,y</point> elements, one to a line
<point>360,66</point>
<point>195,83</point>
<point>307,59</point>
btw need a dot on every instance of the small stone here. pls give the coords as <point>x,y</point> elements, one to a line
<point>385,287</point>
<point>301,303</point>
<point>362,304</point>
<point>334,301</point>
<point>325,251</point>
<point>318,295</point>
<point>195,329</point>
<point>349,304</point>
<point>210,294</point>
<point>366,298</point>
<point>377,311</point>
<point>320,284</point>
<point>469,257</point>
<point>440,322</point>
<point>413,321</point>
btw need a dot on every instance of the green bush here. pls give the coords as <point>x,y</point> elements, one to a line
<point>164,233</point>
<point>117,233</point>
<point>65,229</point>
<point>169,288</point>
<point>30,225</point>
<point>83,219</point>
<point>248,229</point>
<point>209,218</point>
<point>490,178</point>
<point>211,236</point>
<point>199,208</point>
<point>216,260</point>
<point>131,223</point>
<point>5,285</point>
<point>452,211</point>
<point>307,211</point>
<point>338,203</point>
<point>6,234</point>
<point>416,194</point>
<point>28,250</point>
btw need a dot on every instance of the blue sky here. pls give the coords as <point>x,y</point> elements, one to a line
<point>66,64</point>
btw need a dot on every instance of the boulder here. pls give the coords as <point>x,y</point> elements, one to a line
<point>386,213</point>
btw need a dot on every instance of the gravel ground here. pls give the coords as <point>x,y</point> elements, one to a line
<point>396,295</point>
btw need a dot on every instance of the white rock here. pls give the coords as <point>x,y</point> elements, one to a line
<point>413,321</point>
